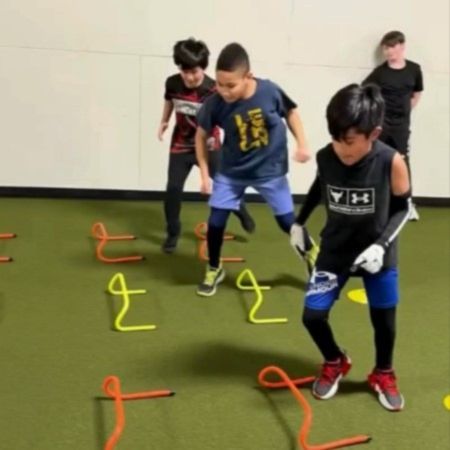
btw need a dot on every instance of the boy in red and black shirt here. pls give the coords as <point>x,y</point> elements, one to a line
<point>185,93</point>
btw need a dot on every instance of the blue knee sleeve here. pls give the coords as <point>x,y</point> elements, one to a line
<point>285,221</point>
<point>218,217</point>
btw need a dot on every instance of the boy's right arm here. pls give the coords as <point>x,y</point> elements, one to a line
<point>300,239</point>
<point>201,152</point>
<point>312,200</point>
<point>167,112</point>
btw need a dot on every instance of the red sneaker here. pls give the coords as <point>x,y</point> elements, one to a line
<point>327,383</point>
<point>384,383</point>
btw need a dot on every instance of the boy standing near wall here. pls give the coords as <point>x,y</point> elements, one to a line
<point>401,84</point>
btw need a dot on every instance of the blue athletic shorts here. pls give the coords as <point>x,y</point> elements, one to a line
<point>324,289</point>
<point>227,193</point>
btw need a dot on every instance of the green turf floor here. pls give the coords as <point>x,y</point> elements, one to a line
<point>57,342</point>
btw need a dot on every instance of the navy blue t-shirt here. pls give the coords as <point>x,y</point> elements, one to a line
<point>255,141</point>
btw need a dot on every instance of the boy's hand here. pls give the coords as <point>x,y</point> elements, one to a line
<point>371,259</point>
<point>162,128</point>
<point>205,186</point>
<point>304,245</point>
<point>302,155</point>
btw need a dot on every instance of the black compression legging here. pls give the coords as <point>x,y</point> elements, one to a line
<point>383,322</point>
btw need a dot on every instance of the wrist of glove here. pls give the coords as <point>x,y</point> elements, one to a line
<point>371,259</point>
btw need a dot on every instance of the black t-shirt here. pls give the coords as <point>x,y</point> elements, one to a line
<point>357,201</point>
<point>397,87</point>
<point>187,103</point>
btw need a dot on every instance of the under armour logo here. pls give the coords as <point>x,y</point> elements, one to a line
<point>351,201</point>
<point>364,198</point>
<point>336,195</point>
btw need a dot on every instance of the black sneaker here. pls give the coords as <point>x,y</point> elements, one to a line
<point>170,244</point>
<point>212,278</point>
<point>247,222</point>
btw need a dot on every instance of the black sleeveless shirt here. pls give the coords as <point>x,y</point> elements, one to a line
<point>357,201</point>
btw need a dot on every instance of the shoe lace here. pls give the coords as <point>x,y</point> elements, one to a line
<point>330,371</point>
<point>210,277</point>
<point>387,382</point>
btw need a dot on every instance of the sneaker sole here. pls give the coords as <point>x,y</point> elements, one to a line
<point>214,290</point>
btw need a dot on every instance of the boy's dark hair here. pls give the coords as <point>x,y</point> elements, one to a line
<point>392,38</point>
<point>355,107</point>
<point>233,57</point>
<point>190,53</point>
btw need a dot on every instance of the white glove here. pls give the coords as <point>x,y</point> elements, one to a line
<point>304,245</point>
<point>371,259</point>
<point>299,237</point>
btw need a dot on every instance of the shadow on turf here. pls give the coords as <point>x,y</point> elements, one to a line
<point>2,307</point>
<point>286,428</point>
<point>113,306</point>
<point>100,409</point>
<point>285,279</point>
<point>224,360</point>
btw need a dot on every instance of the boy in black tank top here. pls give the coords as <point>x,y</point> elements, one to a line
<point>365,187</point>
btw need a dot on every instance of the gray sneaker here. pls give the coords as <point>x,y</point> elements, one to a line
<point>212,278</point>
<point>170,244</point>
<point>326,384</point>
<point>383,382</point>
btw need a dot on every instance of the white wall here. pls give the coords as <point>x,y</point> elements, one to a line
<point>81,83</point>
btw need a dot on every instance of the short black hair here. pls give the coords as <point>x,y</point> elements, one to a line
<point>355,107</point>
<point>232,57</point>
<point>190,53</point>
<point>392,38</point>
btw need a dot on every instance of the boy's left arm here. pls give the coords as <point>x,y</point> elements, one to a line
<point>371,259</point>
<point>301,241</point>
<point>415,99</point>
<point>418,88</point>
<point>294,122</point>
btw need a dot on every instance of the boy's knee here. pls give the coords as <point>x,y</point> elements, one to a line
<point>174,188</point>
<point>218,217</point>
<point>285,221</point>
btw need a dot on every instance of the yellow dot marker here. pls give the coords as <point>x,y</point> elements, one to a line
<point>125,293</point>
<point>447,402</point>
<point>254,286</point>
<point>358,296</point>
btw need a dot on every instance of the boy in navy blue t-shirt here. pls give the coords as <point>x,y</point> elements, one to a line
<point>254,152</point>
